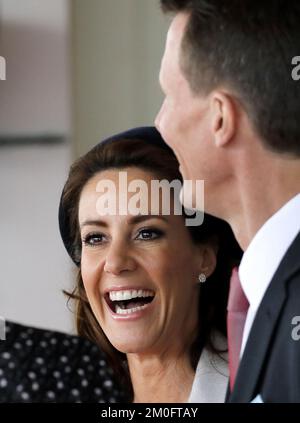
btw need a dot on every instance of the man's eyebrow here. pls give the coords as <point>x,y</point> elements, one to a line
<point>133,220</point>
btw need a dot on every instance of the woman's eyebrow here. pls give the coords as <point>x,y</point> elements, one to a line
<point>142,217</point>
<point>133,220</point>
<point>93,223</point>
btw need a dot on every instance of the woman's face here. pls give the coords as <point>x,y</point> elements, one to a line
<point>140,272</point>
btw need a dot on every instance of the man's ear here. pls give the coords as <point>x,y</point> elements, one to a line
<point>224,116</point>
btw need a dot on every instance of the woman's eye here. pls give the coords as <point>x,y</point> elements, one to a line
<point>93,239</point>
<point>149,234</point>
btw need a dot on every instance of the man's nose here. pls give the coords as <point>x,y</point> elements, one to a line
<point>118,259</point>
<point>158,119</point>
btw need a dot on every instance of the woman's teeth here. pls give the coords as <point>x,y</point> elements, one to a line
<point>130,300</point>
<point>129,294</point>
<point>120,310</point>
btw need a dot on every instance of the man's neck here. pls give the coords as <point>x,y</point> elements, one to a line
<point>259,194</point>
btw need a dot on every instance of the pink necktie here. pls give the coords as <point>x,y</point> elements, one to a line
<point>237,312</point>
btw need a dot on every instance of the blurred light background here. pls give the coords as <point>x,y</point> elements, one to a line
<point>76,72</point>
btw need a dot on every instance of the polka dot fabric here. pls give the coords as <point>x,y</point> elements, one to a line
<point>45,366</point>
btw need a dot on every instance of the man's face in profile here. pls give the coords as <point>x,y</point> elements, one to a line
<point>183,119</point>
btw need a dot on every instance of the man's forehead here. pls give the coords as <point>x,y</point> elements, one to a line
<point>177,29</point>
<point>170,58</point>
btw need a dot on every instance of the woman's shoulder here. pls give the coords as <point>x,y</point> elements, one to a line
<point>211,378</point>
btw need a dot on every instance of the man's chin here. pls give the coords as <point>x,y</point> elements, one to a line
<point>182,172</point>
<point>183,199</point>
<point>192,195</point>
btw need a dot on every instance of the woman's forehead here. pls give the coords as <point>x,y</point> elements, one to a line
<point>130,191</point>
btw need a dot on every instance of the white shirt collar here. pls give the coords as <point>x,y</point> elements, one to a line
<point>265,252</point>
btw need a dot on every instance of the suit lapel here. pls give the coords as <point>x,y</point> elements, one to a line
<point>264,326</point>
<point>227,396</point>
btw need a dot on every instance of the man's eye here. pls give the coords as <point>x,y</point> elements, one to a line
<point>149,234</point>
<point>93,239</point>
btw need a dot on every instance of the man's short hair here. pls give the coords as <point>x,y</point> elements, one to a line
<point>248,47</point>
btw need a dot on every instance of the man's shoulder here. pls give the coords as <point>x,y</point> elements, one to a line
<point>289,272</point>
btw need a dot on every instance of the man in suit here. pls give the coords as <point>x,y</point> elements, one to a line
<point>231,114</point>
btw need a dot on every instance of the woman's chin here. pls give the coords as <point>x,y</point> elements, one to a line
<point>130,347</point>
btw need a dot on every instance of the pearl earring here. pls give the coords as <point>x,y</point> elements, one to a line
<point>201,278</point>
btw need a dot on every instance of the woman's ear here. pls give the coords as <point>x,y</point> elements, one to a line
<point>207,259</point>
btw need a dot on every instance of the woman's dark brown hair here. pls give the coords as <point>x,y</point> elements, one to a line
<point>161,162</point>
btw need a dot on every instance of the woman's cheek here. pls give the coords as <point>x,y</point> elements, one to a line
<point>88,269</point>
<point>91,282</point>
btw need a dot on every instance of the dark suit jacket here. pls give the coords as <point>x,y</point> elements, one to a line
<point>270,364</point>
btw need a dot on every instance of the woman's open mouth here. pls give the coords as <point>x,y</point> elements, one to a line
<point>129,301</point>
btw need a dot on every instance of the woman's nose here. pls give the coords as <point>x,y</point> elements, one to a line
<point>118,259</point>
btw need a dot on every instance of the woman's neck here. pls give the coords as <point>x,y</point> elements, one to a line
<point>160,379</point>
